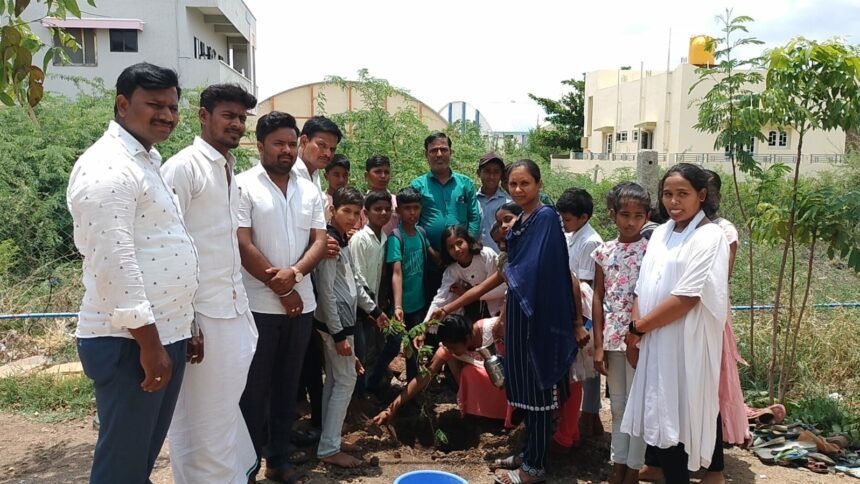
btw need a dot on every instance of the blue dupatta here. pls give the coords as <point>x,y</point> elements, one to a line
<point>538,274</point>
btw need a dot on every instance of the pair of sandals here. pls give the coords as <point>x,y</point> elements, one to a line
<point>512,464</point>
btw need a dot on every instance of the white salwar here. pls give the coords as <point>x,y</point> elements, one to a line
<point>675,394</point>
<point>209,441</point>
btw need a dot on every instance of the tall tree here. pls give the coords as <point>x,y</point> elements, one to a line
<point>731,111</point>
<point>810,86</point>
<point>565,118</point>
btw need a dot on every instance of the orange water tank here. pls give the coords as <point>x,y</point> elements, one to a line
<point>699,53</point>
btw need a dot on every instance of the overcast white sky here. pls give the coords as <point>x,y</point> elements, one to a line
<point>491,52</point>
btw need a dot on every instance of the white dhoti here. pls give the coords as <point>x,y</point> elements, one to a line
<point>209,441</point>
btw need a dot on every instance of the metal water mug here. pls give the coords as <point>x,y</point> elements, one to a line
<point>493,364</point>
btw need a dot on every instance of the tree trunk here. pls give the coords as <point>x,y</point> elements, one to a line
<point>748,223</point>
<point>781,278</point>
<point>803,305</point>
<point>783,364</point>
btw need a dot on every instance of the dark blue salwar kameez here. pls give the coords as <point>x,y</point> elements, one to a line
<point>539,339</point>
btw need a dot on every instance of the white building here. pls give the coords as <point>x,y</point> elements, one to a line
<point>630,110</point>
<point>497,120</point>
<point>206,41</point>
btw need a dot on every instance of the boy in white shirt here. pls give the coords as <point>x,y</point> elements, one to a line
<point>576,208</point>
<point>367,247</point>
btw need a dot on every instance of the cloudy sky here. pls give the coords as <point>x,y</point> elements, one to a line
<point>492,53</point>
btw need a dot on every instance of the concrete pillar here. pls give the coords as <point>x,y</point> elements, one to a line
<point>648,172</point>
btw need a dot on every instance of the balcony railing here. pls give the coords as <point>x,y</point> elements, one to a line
<point>700,158</point>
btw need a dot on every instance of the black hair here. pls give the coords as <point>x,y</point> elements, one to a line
<point>454,328</point>
<point>376,196</point>
<point>145,76</point>
<point>495,228</point>
<point>497,161</point>
<point>697,177</point>
<point>575,201</point>
<point>629,192</point>
<point>475,246</point>
<point>320,124</point>
<point>338,160</point>
<point>510,207</point>
<point>529,165</point>
<point>408,195</point>
<point>435,136</point>
<point>226,93</point>
<point>715,185</point>
<point>271,122</point>
<point>376,161</point>
<point>613,193</point>
<point>347,196</point>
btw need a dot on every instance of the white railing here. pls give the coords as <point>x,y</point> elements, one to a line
<point>700,158</point>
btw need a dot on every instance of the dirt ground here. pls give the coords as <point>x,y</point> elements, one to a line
<point>32,452</point>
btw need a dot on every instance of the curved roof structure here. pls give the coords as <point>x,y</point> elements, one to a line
<point>496,117</point>
<point>302,102</point>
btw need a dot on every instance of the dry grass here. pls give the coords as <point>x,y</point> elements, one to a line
<point>828,352</point>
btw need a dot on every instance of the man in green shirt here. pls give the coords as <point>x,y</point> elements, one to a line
<point>447,198</point>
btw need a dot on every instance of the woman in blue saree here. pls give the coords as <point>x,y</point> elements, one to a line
<point>540,314</point>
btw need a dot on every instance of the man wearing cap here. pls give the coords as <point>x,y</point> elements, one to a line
<point>490,195</point>
<point>448,198</point>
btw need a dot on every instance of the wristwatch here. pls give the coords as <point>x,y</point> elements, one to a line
<point>632,329</point>
<point>298,274</point>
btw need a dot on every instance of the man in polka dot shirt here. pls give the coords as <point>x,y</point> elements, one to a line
<point>139,275</point>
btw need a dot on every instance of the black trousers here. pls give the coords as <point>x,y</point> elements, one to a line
<point>673,460</point>
<point>311,383</point>
<point>269,401</point>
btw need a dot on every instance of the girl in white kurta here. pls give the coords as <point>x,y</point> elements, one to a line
<point>468,264</point>
<point>681,297</point>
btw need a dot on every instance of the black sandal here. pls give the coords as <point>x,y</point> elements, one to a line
<point>305,438</point>
<point>287,474</point>
<point>298,456</point>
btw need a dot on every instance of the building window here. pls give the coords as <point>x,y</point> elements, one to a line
<point>636,135</point>
<point>203,51</point>
<point>86,52</point>
<point>647,139</point>
<point>749,148</point>
<point>123,40</point>
<point>771,138</point>
<point>783,139</point>
<point>623,135</point>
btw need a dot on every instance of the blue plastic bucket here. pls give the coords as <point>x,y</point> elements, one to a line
<point>430,477</point>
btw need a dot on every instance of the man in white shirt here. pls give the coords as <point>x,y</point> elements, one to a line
<point>139,275</point>
<point>317,145</point>
<point>209,441</point>
<point>281,239</point>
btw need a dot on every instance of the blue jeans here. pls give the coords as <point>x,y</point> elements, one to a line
<point>392,349</point>
<point>133,423</point>
<point>337,392</point>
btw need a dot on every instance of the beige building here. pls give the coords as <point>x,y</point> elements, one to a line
<point>303,103</point>
<point>626,111</point>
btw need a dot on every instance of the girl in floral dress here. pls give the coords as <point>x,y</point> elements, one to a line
<point>616,273</point>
